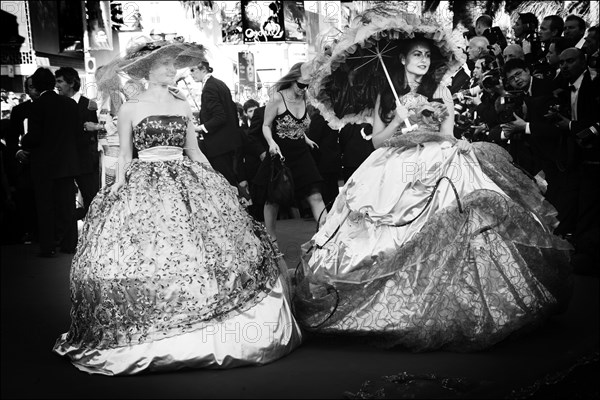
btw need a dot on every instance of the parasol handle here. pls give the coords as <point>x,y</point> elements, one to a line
<point>409,127</point>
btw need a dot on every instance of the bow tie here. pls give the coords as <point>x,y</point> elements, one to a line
<point>572,88</point>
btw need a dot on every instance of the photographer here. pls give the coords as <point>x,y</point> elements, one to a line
<point>483,25</point>
<point>591,47</point>
<point>526,100</point>
<point>526,36</point>
<point>575,30</point>
<point>526,28</point>
<point>551,71</point>
<point>487,122</point>
<point>513,51</point>
<point>477,48</point>
<point>551,28</point>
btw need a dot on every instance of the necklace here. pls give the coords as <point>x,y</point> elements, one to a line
<point>413,85</point>
<point>295,100</point>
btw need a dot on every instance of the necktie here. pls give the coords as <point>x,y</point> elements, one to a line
<point>572,88</point>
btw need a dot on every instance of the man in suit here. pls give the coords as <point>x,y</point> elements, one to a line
<point>254,150</point>
<point>533,93</point>
<point>25,198</point>
<point>583,97</point>
<point>219,122</point>
<point>549,146</point>
<point>327,156</point>
<point>51,143</point>
<point>68,84</point>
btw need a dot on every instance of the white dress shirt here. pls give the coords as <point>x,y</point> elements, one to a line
<point>574,94</point>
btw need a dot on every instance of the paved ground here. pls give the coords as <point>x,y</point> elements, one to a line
<point>35,310</point>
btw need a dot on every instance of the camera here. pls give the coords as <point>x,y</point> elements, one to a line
<point>585,137</point>
<point>543,70</point>
<point>509,104</point>
<point>536,44</point>
<point>491,78</point>
<point>494,35</point>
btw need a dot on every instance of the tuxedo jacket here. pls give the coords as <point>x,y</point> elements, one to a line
<point>524,150</point>
<point>588,104</point>
<point>218,114</point>
<point>560,145</point>
<point>18,114</point>
<point>87,141</point>
<point>253,145</point>
<point>51,138</point>
<point>459,81</point>
<point>327,156</point>
<point>536,105</point>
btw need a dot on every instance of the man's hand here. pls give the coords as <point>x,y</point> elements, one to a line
<point>22,156</point>
<point>518,125</point>
<point>475,100</point>
<point>90,126</point>
<point>479,128</point>
<point>561,122</point>
<point>496,49</point>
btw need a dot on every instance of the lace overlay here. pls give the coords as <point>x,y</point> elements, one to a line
<point>290,127</point>
<point>163,130</point>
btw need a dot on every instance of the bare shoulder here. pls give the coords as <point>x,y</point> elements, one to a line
<point>182,104</point>
<point>128,107</point>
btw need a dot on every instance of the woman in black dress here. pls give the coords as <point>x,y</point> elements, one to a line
<point>285,125</point>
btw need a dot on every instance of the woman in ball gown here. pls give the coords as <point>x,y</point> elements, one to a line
<point>171,271</point>
<point>432,242</point>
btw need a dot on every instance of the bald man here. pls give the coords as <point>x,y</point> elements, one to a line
<point>477,48</point>
<point>513,51</point>
<point>584,96</point>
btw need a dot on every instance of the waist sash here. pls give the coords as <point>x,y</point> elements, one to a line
<point>161,153</point>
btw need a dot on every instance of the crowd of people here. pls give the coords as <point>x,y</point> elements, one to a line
<point>180,243</point>
<point>537,97</point>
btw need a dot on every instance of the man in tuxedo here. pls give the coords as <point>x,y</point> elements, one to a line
<point>574,30</point>
<point>549,147</point>
<point>25,198</point>
<point>583,96</point>
<point>476,49</point>
<point>219,122</point>
<point>551,28</point>
<point>327,156</point>
<point>254,150</point>
<point>51,142</point>
<point>529,96</point>
<point>483,24</point>
<point>536,143</point>
<point>68,84</point>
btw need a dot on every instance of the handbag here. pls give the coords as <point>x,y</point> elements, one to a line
<point>280,189</point>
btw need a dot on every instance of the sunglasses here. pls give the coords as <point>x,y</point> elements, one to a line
<point>301,85</point>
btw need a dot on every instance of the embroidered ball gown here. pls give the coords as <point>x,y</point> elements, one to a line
<point>428,247</point>
<point>174,273</point>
